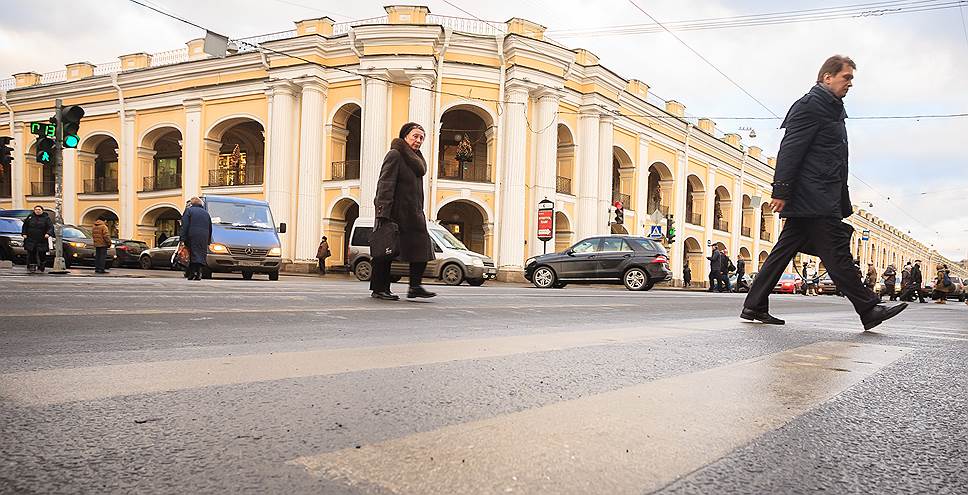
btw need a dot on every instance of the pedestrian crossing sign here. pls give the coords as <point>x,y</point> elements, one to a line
<point>655,232</point>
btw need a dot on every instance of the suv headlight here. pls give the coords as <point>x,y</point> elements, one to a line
<point>275,252</point>
<point>78,245</point>
<point>218,248</point>
<point>477,262</point>
<point>17,242</point>
<point>529,261</point>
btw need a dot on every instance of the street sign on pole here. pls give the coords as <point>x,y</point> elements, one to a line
<point>655,232</point>
<point>546,222</point>
<point>865,235</point>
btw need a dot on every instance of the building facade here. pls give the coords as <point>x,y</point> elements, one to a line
<point>304,123</point>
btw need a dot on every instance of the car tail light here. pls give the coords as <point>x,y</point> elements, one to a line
<point>660,259</point>
<point>123,248</point>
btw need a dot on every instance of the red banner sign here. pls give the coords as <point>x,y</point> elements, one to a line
<point>546,222</point>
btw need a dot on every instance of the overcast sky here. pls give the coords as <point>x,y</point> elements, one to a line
<point>908,64</point>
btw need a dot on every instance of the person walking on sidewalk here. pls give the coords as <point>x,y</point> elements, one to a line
<point>102,241</point>
<point>687,275</point>
<point>196,234</point>
<point>917,279</point>
<point>727,268</point>
<point>810,192</point>
<point>322,252</point>
<point>870,281</point>
<point>810,278</point>
<point>37,229</point>
<point>890,280</point>
<point>715,270</point>
<point>942,284</point>
<point>399,200</point>
<point>740,273</point>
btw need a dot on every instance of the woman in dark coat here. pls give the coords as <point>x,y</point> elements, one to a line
<point>196,234</point>
<point>37,228</point>
<point>400,199</point>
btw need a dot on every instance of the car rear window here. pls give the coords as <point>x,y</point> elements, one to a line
<point>361,236</point>
<point>613,244</point>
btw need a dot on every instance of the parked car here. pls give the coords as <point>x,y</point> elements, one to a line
<point>245,238</point>
<point>747,280</point>
<point>453,263</point>
<point>957,293</point>
<point>827,286</point>
<point>637,262</point>
<point>79,248</point>
<point>789,283</point>
<point>11,240</point>
<point>159,256</point>
<point>22,214</point>
<point>128,251</point>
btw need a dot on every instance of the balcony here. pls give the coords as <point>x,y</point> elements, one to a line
<point>563,185</point>
<point>694,218</point>
<point>766,236</point>
<point>248,176</point>
<point>747,232</point>
<point>625,199</point>
<point>161,183</point>
<point>101,185</point>
<point>721,224</point>
<point>44,188</point>
<point>472,173</point>
<point>346,170</point>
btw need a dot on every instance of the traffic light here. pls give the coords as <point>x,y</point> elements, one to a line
<point>619,213</point>
<point>45,150</point>
<point>71,120</point>
<point>670,230</point>
<point>6,156</point>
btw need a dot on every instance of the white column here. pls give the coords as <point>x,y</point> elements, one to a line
<point>679,216</point>
<point>736,221</point>
<point>757,224</point>
<point>19,166</point>
<point>69,192</point>
<point>546,161</point>
<point>279,163</point>
<point>642,215</point>
<point>589,221</point>
<point>513,187</point>
<point>375,141</point>
<point>312,151</point>
<point>192,149</point>
<point>708,214</point>
<point>422,112</point>
<point>126,185</point>
<point>606,139</point>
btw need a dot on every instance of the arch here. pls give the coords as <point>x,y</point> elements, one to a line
<point>218,128</point>
<point>722,208</point>
<point>223,166</point>
<point>766,222</point>
<point>762,258</point>
<point>466,128</point>
<point>150,135</point>
<point>348,101</point>
<point>93,213</point>
<point>659,189</point>
<point>468,222</point>
<point>162,219</point>
<point>695,199</point>
<point>337,226</point>
<point>160,157</point>
<point>346,142</point>
<point>746,218</point>
<point>565,160</point>
<point>564,235</point>
<point>624,158</point>
<point>484,209</point>
<point>744,254</point>
<point>693,258</point>
<point>665,173</point>
<point>472,106</point>
<point>93,140</point>
<point>622,176</point>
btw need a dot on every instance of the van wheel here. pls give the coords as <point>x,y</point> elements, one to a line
<point>273,275</point>
<point>452,275</point>
<point>636,279</point>
<point>476,282</point>
<point>246,275</point>
<point>544,278</point>
<point>363,270</point>
<point>145,262</point>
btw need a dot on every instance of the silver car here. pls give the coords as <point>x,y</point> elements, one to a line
<point>453,263</point>
<point>159,256</point>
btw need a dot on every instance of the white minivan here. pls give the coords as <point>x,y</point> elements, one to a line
<point>453,263</point>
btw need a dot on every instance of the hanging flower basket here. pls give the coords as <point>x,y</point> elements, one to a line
<point>465,152</point>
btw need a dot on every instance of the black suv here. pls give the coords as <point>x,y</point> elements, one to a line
<point>637,262</point>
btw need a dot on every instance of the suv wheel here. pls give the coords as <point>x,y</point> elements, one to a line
<point>363,270</point>
<point>274,275</point>
<point>452,274</point>
<point>145,262</point>
<point>636,279</point>
<point>544,277</point>
<point>246,275</point>
<point>476,282</point>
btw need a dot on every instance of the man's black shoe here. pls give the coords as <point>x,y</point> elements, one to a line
<point>386,296</point>
<point>760,316</point>
<point>879,314</point>
<point>419,292</point>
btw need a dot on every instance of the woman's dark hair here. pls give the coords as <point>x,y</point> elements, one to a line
<point>409,126</point>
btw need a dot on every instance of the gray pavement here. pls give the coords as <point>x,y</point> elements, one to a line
<point>145,382</point>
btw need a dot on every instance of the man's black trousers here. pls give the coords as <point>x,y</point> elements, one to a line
<point>828,238</point>
<point>380,275</point>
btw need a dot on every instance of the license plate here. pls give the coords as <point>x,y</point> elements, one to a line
<point>250,263</point>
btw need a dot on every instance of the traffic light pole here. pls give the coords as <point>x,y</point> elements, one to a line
<point>59,266</point>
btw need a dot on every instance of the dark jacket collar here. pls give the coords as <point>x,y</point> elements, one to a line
<point>414,159</point>
<point>829,98</point>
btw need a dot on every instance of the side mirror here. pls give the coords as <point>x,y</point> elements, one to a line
<point>570,252</point>
<point>282,228</point>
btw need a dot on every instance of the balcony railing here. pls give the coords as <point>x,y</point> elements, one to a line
<point>694,218</point>
<point>470,174</point>
<point>747,231</point>
<point>248,176</point>
<point>721,224</point>
<point>44,188</point>
<point>624,198</point>
<point>563,185</point>
<point>101,185</point>
<point>6,189</point>
<point>162,183</point>
<point>766,236</point>
<point>346,170</point>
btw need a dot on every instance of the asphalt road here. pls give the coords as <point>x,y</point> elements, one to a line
<point>149,383</point>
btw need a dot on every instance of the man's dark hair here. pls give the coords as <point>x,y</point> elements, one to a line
<point>834,65</point>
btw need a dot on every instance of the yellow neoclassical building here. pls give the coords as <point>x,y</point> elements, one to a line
<point>304,123</point>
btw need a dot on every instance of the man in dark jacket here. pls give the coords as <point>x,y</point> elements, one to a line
<point>740,273</point>
<point>810,192</point>
<point>37,228</point>
<point>913,287</point>
<point>715,270</point>
<point>196,234</point>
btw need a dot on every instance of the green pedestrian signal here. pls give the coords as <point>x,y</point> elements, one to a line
<point>45,150</point>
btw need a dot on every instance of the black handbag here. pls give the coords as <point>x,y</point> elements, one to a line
<point>385,240</point>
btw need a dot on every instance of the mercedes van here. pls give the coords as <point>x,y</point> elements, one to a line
<point>453,263</point>
<point>244,238</point>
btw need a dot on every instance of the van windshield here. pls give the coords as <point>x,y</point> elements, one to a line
<point>240,214</point>
<point>447,240</point>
